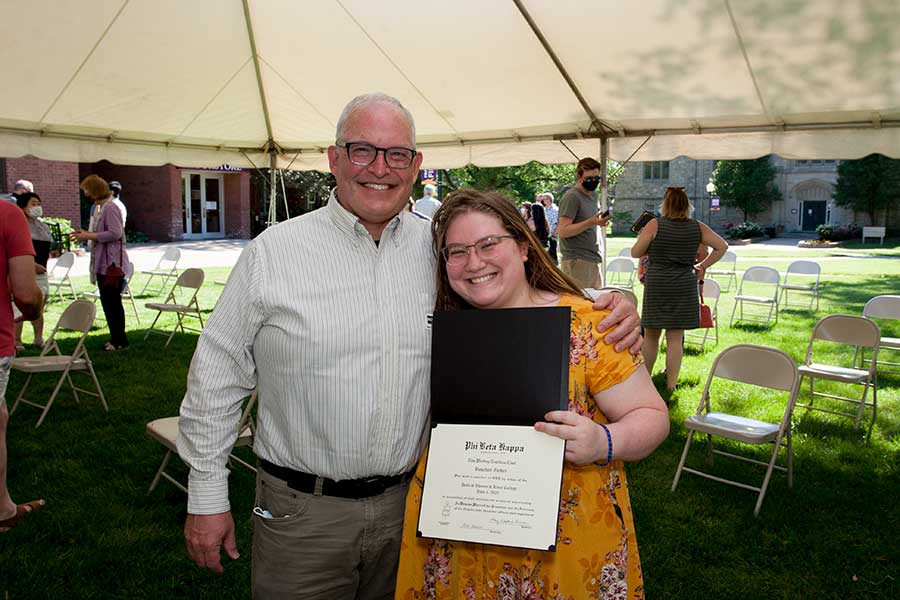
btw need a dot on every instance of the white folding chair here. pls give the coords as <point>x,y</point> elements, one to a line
<point>626,252</point>
<point>723,270</point>
<point>78,316</point>
<point>620,273</point>
<point>764,281</point>
<point>854,332</point>
<point>126,295</point>
<point>166,268</point>
<point>760,367</point>
<point>593,293</point>
<point>59,276</point>
<point>885,307</point>
<point>711,294</point>
<point>191,279</point>
<point>802,276</point>
<point>165,431</point>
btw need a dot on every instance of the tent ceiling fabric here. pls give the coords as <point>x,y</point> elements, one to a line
<point>175,81</point>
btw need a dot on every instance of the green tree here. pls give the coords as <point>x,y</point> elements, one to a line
<point>869,185</point>
<point>747,185</point>
<point>521,183</point>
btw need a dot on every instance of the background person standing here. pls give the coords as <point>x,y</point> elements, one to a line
<point>579,217</point>
<point>115,189</point>
<point>551,210</point>
<point>427,205</point>
<point>670,285</point>
<point>108,250</point>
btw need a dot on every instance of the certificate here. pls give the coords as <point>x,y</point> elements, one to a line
<point>492,484</point>
<point>490,477</point>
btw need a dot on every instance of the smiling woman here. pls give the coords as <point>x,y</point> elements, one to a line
<point>489,258</point>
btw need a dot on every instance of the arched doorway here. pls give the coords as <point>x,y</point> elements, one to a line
<point>813,197</point>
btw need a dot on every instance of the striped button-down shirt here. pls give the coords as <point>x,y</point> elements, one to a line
<point>552,213</point>
<point>334,330</point>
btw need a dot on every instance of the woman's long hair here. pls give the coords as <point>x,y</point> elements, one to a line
<point>540,272</point>
<point>541,229</point>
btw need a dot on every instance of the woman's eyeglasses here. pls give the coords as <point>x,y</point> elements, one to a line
<point>457,254</point>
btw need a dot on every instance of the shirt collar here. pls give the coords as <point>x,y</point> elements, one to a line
<point>349,224</point>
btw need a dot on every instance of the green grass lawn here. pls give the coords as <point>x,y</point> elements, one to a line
<point>836,534</point>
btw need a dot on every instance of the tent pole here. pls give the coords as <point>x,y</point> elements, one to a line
<point>604,156</point>
<point>273,190</point>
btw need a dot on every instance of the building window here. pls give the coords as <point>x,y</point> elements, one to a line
<point>658,169</point>
<point>815,162</point>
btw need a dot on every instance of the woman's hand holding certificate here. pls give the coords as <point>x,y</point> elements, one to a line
<point>586,441</point>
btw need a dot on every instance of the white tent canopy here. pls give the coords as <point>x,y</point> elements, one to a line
<point>490,82</point>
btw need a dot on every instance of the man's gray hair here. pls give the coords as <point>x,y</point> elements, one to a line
<point>366,100</point>
<point>430,189</point>
<point>24,183</point>
<point>546,195</point>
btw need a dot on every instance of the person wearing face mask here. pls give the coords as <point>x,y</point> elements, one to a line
<point>30,203</point>
<point>579,217</point>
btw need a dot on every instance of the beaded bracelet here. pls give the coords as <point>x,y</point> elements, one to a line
<point>609,446</point>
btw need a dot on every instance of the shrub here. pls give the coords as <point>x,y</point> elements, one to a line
<point>60,229</point>
<point>747,229</point>
<point>133,236</point>
<point>621,221</point>
<point>836,233</point>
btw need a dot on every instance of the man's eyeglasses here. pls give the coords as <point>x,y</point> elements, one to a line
<point>457,254</point>
<point>592,179</point>
<point>364,154</point>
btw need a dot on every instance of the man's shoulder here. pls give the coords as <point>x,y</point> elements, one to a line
<point>419,224</point>
<point>571,194</point>
<point>10,213</point>
<point>294,229</point>
<point>574,192</point>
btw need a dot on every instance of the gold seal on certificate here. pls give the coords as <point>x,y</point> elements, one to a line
<point>493,484</point>
<point>490,477</point>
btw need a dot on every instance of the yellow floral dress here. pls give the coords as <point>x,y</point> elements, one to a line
<point>596,556</point>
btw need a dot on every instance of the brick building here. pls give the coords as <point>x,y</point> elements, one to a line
<point>166,203</point>
<point>56,182</point>
<point>806,186</point>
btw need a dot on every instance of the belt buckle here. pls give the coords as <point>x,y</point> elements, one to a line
<point>372,486</point>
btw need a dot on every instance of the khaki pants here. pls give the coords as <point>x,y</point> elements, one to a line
<point>324,547</point>
<point>586,274</point>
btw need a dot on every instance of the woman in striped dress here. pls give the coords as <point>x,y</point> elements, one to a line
<point>670,286</point>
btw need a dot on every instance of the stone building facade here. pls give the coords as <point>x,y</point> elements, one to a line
<point>806,186</point>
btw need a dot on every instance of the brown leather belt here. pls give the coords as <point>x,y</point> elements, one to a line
<point>346,488</point>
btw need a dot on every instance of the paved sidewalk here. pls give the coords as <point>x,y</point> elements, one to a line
<point>194,253</point>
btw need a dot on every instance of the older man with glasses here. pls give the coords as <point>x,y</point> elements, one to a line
<point>327,315</point>
<point>579,217</point>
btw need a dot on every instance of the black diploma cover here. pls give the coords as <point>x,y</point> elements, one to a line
<point>490,477</point>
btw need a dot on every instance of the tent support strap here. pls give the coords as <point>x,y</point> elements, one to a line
<point>273,190</point>
<point>596,123</point>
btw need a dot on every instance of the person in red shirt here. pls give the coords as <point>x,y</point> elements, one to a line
<point>16,280</point>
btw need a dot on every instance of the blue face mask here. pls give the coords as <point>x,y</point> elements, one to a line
<point>591,183</point>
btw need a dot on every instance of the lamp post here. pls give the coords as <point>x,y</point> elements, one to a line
<point>710,190</point>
